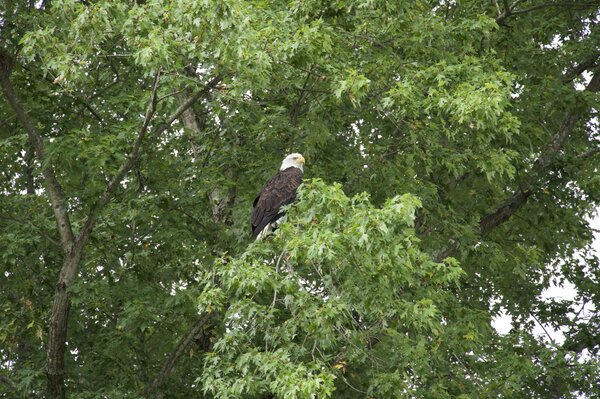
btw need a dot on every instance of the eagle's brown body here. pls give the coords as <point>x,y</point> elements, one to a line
<point>279,191</point>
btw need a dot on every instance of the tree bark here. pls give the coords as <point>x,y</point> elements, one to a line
<point>57,335</point>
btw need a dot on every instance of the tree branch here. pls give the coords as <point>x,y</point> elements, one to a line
<point>61,305</point>
<point>189,102</point>
<point>177,353</point>
<point>57,334</point>
<point>55,192</point>
<point>91,109</point>
<point>504,212</point>
<point>577,70</point>
<point>497,7</point>
<point>589,153</point>
<point>45,235</point>
<point>73,247</point>
<point>512,12</point>
<point>135,151</point>
<point>490,221</point>
<point>563,4</point>
<point>295,111</point>
<point>586,338</point>
<point>123,169</point>
<point>76,98</point>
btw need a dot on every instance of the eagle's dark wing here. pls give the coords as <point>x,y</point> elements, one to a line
<point>279,191</point>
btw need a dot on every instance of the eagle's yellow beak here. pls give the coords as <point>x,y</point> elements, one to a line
<point>301,160</point>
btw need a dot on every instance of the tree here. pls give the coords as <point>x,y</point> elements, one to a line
<point>456,149</point>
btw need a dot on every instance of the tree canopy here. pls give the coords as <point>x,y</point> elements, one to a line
<point>452,154</point>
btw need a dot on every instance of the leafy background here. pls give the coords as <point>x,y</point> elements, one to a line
<point>452,171</point>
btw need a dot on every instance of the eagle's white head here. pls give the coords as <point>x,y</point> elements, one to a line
<point>294,160</point>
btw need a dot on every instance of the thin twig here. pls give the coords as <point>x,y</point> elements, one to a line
<point>48,237</point>
<point>543,328</point>
<point>278,261</point>
<point>170,95</point>
<point>351,386</point>
<point>51,79</point>
<point>585,302</point>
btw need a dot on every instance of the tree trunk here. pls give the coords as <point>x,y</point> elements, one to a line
<point>57,339</point>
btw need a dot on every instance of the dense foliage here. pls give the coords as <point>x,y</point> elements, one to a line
<point>453,154</point>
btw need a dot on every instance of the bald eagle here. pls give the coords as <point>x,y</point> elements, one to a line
<point>279,191</point>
